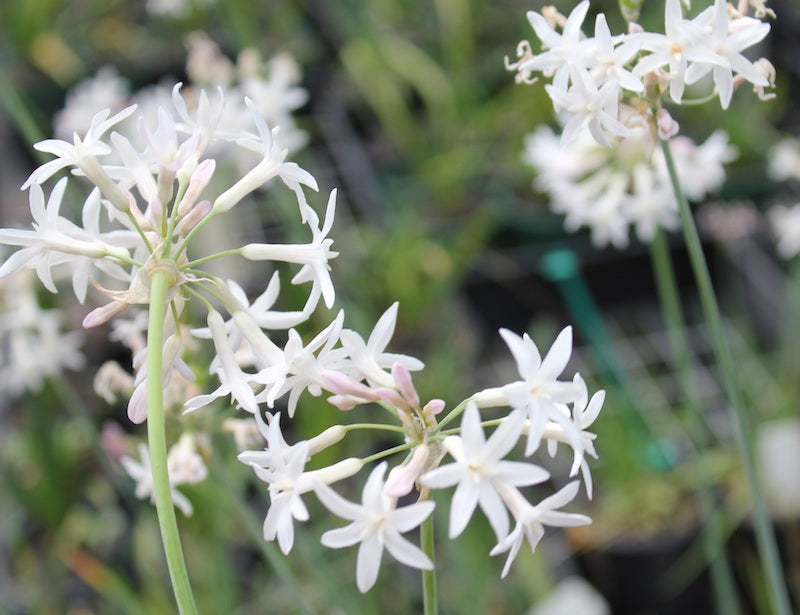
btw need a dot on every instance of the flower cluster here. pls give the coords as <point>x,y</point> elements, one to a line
<point>541,408</point>
<point>142,217</point>
<point>611,190</point>
<point>602,83</point>
<point>605,172</point>
<point>33,344</point>
<point>272,86</point>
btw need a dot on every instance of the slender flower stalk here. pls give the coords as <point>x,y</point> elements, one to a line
<point>765,536</point>
<point>721,575</point>
<point>430,602</point>
<point>156,436</point>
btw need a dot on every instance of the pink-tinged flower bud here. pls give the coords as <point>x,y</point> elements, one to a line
<point>137,406</point>
<point>197,183</point>
<point>345,402</point>
<point>634,28</point>
<point>433,407</point>
<point>341,384</point>
<point>155,209</point>
<point>327,438</point>
<point>103,314</point>
<point>112,439</point>
<point>402,478</point>
<point>188,222</point>
<point>402,380</point>
<point>667,127</point>
<point>393,398</point>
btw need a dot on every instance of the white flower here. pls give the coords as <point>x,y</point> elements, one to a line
<point>57,241</point>
<point>282,466</point>
<point>586,105</point>
<point>376,524</point>
<point>302,368</point>
<point>727,39</point>
<point>233,380</point>
<point>785,224</point>
<point>82,152</point>
<point>783,162</point>
<point>684,42</point>
<point>479,469</point>
<point>369,359</point>
<point>272,164</point>
<point>541,394</point>
<point>562,51</point>
<point>532,519</point>
<point>184,466</point>
<point>313,256</point>
<point>607,59</point>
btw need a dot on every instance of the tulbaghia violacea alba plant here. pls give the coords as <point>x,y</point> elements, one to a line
<point>615,90</point>
<point>137,244</point>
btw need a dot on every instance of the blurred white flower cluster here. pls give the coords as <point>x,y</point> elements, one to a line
<point>604,171</point>
<point>611,190</point>
<point>144,208</point>
<point>33,344</point>
<point>272,86</point>
<point>784,220</point>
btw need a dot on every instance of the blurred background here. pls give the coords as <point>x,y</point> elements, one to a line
<point>407,109</point>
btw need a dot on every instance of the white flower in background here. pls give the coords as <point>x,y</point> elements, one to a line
<point>783,161</point>
<point>175,8</point>
<point>105,90</point>
<point>479,471</point>
<point>184,465</point>
<point>377,524</point>
<point>610,190</point>
<point>33,345</point>
<point>785,224</point>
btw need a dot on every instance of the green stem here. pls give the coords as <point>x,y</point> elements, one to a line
<point>429,600</point>
<point>156,436</point>
<point>721,576</point>
<point>765,537</point>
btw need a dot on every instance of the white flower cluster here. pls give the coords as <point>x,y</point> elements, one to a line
<point>33,345</point>
<point>600,83</point>
<point>610,190</point>
<point>542,408</point>
<point>184,464</point>
<point>141,217</point>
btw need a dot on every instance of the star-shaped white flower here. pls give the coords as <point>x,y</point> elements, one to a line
<point>376,524</point>
<point>532,519</point>
<point>313,256</point>
<point>541,394</point>
<point>369,359</point>
<point>479,469</point>
<point>728,39</point>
